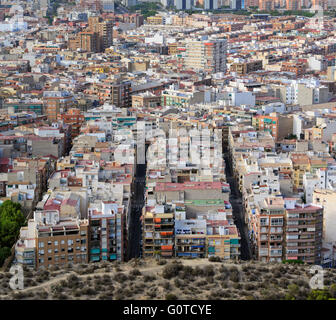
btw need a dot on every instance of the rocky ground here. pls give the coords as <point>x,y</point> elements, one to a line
<point>171,279</point>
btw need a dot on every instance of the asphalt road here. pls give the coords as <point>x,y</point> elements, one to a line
<point>237,211</point>
<point>137,204</point>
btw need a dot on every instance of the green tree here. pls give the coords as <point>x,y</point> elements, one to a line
<point>319,295</point>
<point>332,290</point>
<point>293,291</point>
<point>11,220</point>
<point>4,253</point>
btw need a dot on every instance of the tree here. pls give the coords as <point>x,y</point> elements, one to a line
<point>11,220</point>
<point>4,253</point>
<point>319,295</point>
<point>332,290</point>
<point>293,291</point>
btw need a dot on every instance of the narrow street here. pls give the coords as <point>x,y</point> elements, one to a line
<point>137,204</point>
<point>237,210</point>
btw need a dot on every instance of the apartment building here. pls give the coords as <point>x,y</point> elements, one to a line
<point>279,126</point>
<point>174,96</point>
<point>117,93</point>
<point>56,102</point>
<point>51,240</point>
<point>158,229</point>
<point>146,100</point>
<point>246,67</point>
<point>266,221</point>
<point>156,20</point>
<point>206,55</point>
<point>266,5</point>
<point>304,224</point>
<point>74,118</point>
<point>293,5</point>
<point>190,234</point>
<point>301,165</point>
<point>107,226</point>
<point>223,238</point>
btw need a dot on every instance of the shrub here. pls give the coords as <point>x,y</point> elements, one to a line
<point>171,270</point>
<point>89,291</point>
<point>148,278</point>
<point>73,278</point>
<point>215,259</point>
<point>208,271</point>
<point>197,271</point>
<point>171,296</point>
<point>77,293</point>
<point>332,290</point>
<point>120,277</point>
<point>249,286</point>
<point>165,285</point>
<point>135,272</point>
<point>161,262</point>
<point>234,277</point>
<point>178,283</point>
<point>253,278</point>
<point>237,286</point>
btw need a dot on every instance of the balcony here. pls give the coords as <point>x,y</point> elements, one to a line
<point>276,247</point>
<point>263,252</point>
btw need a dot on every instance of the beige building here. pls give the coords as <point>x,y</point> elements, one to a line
<point>207,55</point>
<point>49,240</point>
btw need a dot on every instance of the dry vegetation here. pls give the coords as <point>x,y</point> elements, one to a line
<point>172,279</point>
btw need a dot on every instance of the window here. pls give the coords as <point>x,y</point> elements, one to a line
<point>49,250</point>
<point>56,243</point>
<point>56,250</point>
<point>49,243</point>
<point>78,240</point>
<point>277,222</point>
<point>41,260</point>
<point>70,242</point>
<point>41,244</point>
<point>62,241</point>
<point>41,252</point>
<point>83,241</point>
<point>49,258</point>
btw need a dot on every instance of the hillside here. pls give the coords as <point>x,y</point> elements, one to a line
<point>185,279</point>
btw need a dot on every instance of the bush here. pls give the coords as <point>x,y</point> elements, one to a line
<point>234,277</point>
<point>292,261</point>
<point>89,291</point>
<point>135,272</point>
<point>171,270</point>
<point>332,290</point>
<point>120,277</point>
<point>148,278</point>
<point>197,271</point>
<point>237,286</point>
<point>249,286</point>
<point>4,254</point>
<point>215,259</point>
<point>165,285</point>
<point>208,271</point>
<point>161,262</point>
<point>171,296</point>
